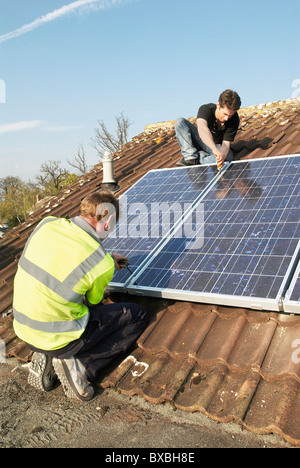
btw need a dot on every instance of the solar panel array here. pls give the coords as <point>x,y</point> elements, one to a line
<point>244,253</point>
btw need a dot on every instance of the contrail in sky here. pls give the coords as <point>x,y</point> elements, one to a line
<point>64,10</point>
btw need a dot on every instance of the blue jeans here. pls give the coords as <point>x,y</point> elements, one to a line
<point>192,147</point>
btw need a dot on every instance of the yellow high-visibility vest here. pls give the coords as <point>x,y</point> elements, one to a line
<point>63,262</point>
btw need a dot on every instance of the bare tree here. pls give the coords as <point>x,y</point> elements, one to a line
<point>79,162</point>
<point>51,177</point>
<point>9,183</point>
<point>106,141</point>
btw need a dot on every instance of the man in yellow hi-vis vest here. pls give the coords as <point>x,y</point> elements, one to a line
<point>58,291</point>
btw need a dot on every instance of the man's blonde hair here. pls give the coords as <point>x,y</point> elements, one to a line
<point>100,204</point>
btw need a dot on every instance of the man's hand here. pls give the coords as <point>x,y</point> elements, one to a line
<point>222,153</point>
<point>119,259</point>
<point>220,157</point>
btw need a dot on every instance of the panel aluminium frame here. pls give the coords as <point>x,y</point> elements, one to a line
<point>149,199</point>
<point>291,303</point>
<point>260,303</point>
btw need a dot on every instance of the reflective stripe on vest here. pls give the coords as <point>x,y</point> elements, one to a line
<point>64,288</point>
<point>52,327</point>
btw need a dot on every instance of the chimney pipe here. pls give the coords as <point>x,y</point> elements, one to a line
<point>109,182</point>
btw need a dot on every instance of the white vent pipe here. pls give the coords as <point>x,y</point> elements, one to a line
<point>108,168</point>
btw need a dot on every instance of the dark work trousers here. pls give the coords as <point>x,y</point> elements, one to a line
<point>111,330</point>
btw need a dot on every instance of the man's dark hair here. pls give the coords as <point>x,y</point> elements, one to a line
<point>230,99</point>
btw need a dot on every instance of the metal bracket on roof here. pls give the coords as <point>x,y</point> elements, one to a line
<point>7,314</point>
<point>280,305</point>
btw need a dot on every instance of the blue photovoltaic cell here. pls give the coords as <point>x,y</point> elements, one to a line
<point>251,232</point>
<point>151,208</point>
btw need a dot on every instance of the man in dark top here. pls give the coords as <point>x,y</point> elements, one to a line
<point>209,142</point>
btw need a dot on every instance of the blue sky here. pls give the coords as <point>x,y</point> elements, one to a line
<point>66,64</point>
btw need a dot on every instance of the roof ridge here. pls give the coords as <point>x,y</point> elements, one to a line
<point>169,124</point>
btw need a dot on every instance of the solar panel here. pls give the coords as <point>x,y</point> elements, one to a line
<point>151,209</point>
<point>251,233</point>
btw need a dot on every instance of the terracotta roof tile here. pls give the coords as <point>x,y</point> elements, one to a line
<point>232,364</point>
<point>232,379</point>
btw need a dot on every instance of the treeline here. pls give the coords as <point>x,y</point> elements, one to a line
<point>18,198</point>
